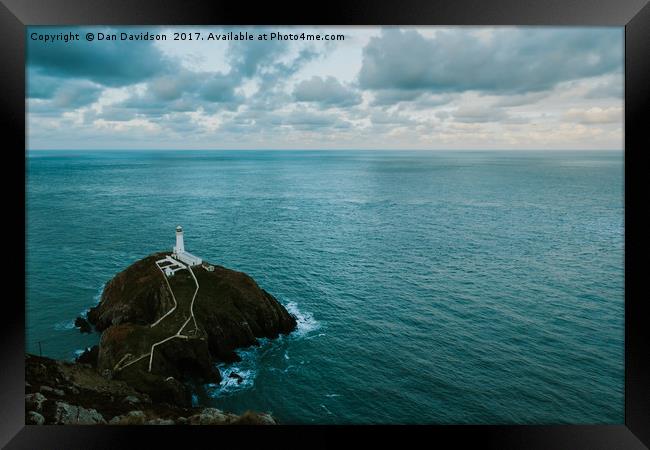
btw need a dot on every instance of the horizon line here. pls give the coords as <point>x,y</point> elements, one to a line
<point>327,149</point>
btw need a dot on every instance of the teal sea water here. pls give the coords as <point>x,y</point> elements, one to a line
<point>430,287</point>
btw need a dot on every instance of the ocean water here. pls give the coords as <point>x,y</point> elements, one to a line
<point>430,287</point>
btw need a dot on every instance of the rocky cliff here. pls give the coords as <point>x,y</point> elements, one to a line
<point>162,335</point>
<point>188,321</point>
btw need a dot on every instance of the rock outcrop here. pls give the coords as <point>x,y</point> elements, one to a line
<point>229,309</point>
<point>83,325</point>
<point>68,393</point>
<point>161,337</point>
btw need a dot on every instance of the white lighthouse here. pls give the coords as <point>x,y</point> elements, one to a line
<point>179,250</point>
<point>180,246</point>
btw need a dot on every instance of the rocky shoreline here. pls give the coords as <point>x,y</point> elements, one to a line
<point>161,338</point>
<point>74,393</point>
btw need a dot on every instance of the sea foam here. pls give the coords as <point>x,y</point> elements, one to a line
<point>306,323</point>
<point>247,368</point>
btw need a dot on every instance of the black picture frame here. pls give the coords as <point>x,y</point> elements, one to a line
<point>634,15</point>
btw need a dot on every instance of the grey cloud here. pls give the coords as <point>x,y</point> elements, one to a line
<point>418,98</point>
<point>610,88</point>
<point>63,95</point>
<point>595,115</point>
<point>219,88</point>
<point>380,117</point>
<point>41,108</point>
<point>471,114</point>
<point>41,86</point>
<point>301,119</point>
<point>327,92</point>
<point>113,114</point>
<point>309,120</point>
<point>432,100</point>
<point>187,91</point>
<point>166,88</point>
<point>288,69</point>
<point>111,63</point>
<point>247,58</point>
<point>384,97</point>
<point>169,87</point>
<point>261,58</point>
<point>75,95</point>
<point>515,120</point>
<point>520,99</point>
<point>179,123</point>
<point>514,61</point>
<point>208,86</point>
<point>483,114</point>
<point>406,80</point>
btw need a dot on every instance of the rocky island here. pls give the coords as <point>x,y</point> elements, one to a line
<point>164,325</point>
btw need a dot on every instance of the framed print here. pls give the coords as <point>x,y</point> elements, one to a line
<point>377,219</point>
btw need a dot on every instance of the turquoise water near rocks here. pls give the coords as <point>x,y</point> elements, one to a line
<point>430,287</point>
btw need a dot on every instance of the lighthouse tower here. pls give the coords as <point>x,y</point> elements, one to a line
<point>180,246</point>
<point>179,250</point>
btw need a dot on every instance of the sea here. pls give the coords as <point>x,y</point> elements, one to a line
<point>430,287</point>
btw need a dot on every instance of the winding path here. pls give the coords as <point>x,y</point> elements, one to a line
<point>178,335</point>
<point>169,287</point>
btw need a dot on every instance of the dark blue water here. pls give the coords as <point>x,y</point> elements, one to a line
<point>431,287</point>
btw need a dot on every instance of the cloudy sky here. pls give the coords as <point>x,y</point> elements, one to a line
<point>380,88</point>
